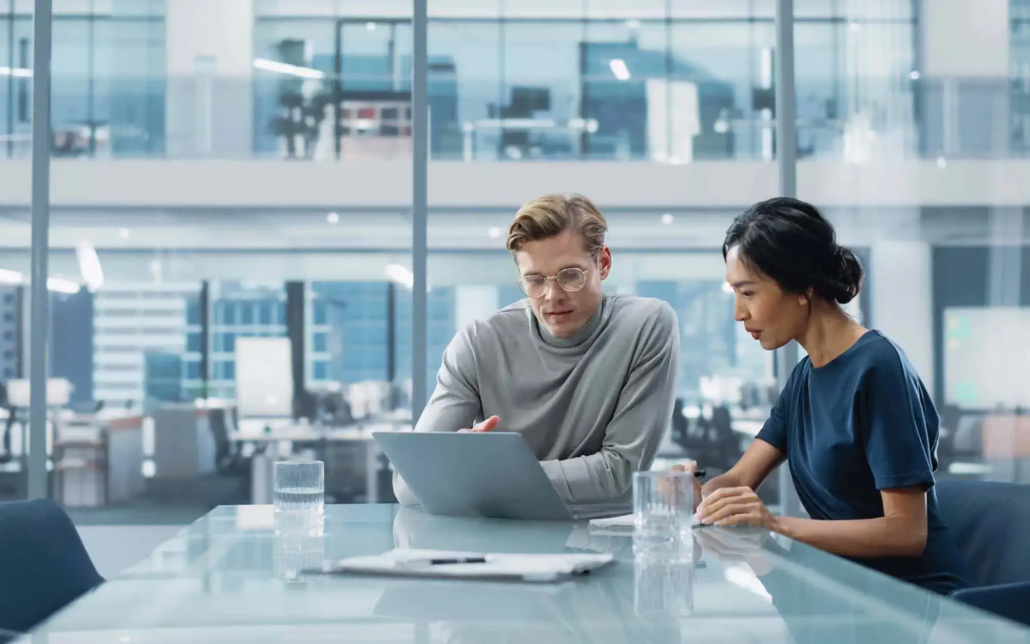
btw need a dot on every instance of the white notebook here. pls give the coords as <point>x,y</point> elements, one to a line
<point>621,524</point>
<point>469,565</point>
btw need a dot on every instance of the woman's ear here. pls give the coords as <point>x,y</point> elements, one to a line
<point>805,297</point>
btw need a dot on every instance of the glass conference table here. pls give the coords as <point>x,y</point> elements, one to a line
<point>229,578</point>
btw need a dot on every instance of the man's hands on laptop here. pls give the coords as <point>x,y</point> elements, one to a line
<point>485,426</point>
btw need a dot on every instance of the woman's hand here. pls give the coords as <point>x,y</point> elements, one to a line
<point>729,506</point>
<point>691,466</point>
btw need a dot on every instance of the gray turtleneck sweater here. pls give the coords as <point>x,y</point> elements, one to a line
<point>593,407</point>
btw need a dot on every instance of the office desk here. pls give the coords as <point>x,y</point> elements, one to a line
<point>229,578</point>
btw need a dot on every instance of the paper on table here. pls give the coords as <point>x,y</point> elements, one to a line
<point>623,522</point>
<point>524,567</point>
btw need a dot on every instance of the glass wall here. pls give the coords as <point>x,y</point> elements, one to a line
<point>674,83</point>
<point>108,66</point>
<point>592,83</point>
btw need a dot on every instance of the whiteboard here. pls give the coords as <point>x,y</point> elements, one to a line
<point>987,357</point>
<point>264,377</point>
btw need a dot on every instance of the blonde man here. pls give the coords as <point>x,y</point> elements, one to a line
<point>588,379</point>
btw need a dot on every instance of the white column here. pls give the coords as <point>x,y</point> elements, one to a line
<point>210,61</point>
<point>901,298</point>
<point>473,303</point>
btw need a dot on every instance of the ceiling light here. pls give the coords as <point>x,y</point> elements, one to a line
<point>286,68</point>
<point>619,68</point>
<point>89,266</point>
<point>495,232</point>
<point>914,74</point>
<point>667,219</point>
<point>400,275</point>
<point>370,26</point>
<point>16,72</point>
<point>123,233</point>
<point>63,286</point>
<point>942,162</point>
<point>633,24</point>
<point>854,26</point>
<point>11,277</point>
<point>333,218</point>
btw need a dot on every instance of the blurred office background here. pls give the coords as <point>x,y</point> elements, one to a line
<point>230,240</point>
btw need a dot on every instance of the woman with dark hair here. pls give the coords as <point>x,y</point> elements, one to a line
<point>854,421</point>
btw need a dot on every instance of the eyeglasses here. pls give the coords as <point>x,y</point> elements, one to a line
<point>570,279</point>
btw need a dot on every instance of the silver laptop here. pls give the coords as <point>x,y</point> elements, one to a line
<point>482,474</point>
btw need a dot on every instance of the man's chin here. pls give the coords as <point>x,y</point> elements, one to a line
<point>563,330</point>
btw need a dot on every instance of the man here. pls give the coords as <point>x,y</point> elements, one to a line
<point>588,379</point>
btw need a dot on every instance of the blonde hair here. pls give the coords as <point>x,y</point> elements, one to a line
<point>551,215</point>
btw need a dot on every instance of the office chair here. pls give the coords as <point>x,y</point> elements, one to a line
<point>989,522</point>
<point>43,564</point>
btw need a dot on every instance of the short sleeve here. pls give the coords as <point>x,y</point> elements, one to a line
<point>897,423</point>
<point>774,431</point>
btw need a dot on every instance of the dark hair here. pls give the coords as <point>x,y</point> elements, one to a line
<point>791,242</point>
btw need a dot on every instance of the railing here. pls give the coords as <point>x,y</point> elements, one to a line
<point>664,120</point>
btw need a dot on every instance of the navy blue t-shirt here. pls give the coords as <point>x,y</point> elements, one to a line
<point>861,424</point>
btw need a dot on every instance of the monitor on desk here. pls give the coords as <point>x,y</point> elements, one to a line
<point>264,378</point>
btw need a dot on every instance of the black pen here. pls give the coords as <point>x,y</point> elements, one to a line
<point>445,561</point>
<point>700,474</point>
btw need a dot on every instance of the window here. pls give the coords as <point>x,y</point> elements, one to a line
<point>264,313</point>
<point>192,312</point>
<point>319,342</point>
<point>247,313</point>
<point>225,370</point>
<point>228,342</point>
<point>320,313</point>
<point>193,370</point>
<point>193,342</point>
<point>321,370</point>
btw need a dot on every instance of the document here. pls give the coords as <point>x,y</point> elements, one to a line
<point>469,565</point>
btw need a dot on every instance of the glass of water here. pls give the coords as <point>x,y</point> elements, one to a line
<point>663,508</point>
<point>299,493</point>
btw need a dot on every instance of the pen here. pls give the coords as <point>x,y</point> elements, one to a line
<point>445,561</point>
<point>700,474</point>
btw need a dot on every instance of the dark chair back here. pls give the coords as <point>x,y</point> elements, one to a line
<point>43,564</point>
<point>989,523</point>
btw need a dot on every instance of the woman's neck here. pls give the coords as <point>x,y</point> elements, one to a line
<point>830,332</point>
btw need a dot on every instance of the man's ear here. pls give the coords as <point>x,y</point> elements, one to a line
<point>604,262</point>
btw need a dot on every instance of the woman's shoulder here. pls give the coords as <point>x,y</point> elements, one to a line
<point>885,360</point>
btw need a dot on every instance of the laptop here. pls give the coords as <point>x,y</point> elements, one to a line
<point>482,474</point>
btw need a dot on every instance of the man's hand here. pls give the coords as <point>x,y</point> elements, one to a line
<point>487,425</point>
<point>691,466</point>
<point>730,506</point>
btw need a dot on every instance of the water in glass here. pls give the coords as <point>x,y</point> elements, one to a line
<point>299,497</point>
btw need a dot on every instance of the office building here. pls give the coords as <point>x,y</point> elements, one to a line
<point>243,168</point>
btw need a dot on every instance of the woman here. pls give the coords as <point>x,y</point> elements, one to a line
<point>854,421</point>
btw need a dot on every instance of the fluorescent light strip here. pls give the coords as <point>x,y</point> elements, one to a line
<point>89,266</point>
<point>63,286</point>
<point>401,275</point>
<point>286,68</point>
<point>16,72</point>
<point>619,68</point>
<point>11,277</point>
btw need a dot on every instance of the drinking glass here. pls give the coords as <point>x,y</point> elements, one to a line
<point>299,497</point>
<point>663,508</point>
